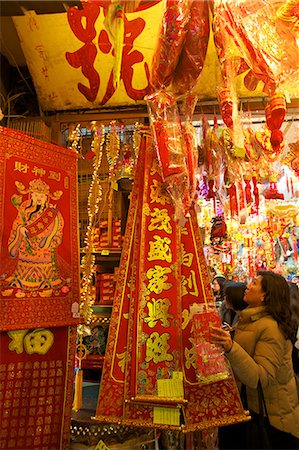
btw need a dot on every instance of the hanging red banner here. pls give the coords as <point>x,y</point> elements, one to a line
<point>149,377</point>
<point>36,386</point>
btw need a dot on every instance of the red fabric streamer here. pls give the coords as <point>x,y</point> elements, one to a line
<point>193,54</point>
<point>233,202</point>
<point>171,40</point>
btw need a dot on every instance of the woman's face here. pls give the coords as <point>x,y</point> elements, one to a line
<point>216,286</point>
<point>254,294</point>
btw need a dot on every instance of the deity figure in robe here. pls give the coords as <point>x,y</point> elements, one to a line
<point>36,233</point>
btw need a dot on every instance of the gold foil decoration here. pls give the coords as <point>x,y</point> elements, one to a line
<point>88,267</point>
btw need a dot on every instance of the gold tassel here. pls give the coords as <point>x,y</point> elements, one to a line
<point>77,403</point>
<point>110,217</point>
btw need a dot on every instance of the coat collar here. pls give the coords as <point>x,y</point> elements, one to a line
<point>252,314</point>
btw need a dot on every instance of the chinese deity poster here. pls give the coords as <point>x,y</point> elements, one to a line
<point>39,291</point>
<point>39,262</point>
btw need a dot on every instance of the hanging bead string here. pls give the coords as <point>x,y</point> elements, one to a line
<point>88,266</point>
<point>75,139</point>
<point>112,152</point>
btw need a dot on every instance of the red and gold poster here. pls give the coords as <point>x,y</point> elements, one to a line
<point>149,377</point>
<point>36,386</point>
<point>39,291</point>
<point>39,260</point>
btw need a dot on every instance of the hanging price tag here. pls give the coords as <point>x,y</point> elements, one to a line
<point>105,252</point>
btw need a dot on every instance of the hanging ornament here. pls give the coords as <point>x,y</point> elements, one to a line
<point>292,157</point>
<point>88,266</point>
<point>112,152</point>
<point>275,114</point>
<point>218,230</point>
<point>115,25</point>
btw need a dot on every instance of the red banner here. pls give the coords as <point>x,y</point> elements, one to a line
<point>149,377</point>
<point>36,385</point>
<point>39,260</point>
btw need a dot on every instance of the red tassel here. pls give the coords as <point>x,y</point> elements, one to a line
<point>233,200</point>
<point>295,249</point>
<point>276,138</point>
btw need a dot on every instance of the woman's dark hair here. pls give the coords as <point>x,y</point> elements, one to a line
<point>277,301</point>
<point>222,282</point>
<point>294,301</point>
<point>234,293</point>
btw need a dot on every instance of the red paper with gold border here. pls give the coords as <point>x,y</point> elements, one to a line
<point>162,274</point>
<point>36,386</point>
<point>39,260</point>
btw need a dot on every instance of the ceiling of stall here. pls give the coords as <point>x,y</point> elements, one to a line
<point>40,36</point>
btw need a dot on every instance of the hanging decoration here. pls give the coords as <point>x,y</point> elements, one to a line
<point>88,267</point>
<point>149,377</point>
<point>275,114</point>
<point>74,139</point>
<point>112,153</point>
<point>81,353</point>
<point>114,24</point>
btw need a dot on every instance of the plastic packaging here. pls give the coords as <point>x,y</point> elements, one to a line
<point>170,43</point>
<point>211,364</point>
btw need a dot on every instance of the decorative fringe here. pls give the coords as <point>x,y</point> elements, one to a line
<point>77,403</point>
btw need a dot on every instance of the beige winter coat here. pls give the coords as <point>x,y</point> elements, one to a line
<point>261,351</point>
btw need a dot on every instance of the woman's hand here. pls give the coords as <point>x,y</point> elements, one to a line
<point>218,336</point>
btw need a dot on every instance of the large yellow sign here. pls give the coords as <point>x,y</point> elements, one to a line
<point>70,57</point>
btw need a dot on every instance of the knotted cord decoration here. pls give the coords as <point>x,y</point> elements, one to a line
<point>75,138</point>
<point>88,267</point>
<point>81,353</point>
<point>112,152</point>
<point>275,114</point>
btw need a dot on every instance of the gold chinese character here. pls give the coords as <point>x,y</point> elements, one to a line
<point>160,250</point>
<point>17,393</point>
<point>158,310</point>
<point>38,341</point>
<point>54,175</point>
<point>187,258</point>
<point>188,284</point>
<point>157,347</point>
<point>38,171</point>
<point>155,167</point>
<point>158,193</point>
<point>21,167</point>
<point>190,355</point>
<point>158,279</point>
<point>16,344</point>
<point>160,220</point>
<point>121,361</point>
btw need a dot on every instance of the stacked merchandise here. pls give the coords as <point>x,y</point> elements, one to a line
<point>105,288</point>
<point>101,239</point>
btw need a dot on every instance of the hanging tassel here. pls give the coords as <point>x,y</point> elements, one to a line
<point>115,26</point>
<point>295,247</point>
<point>77,403</point>
<point>233,202</point>
<point>110,216</point>
<point>288,186</point>
<point>292,188</point>
<point>255,209</point>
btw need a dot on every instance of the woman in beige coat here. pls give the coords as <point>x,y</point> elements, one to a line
<point>262,350</point>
